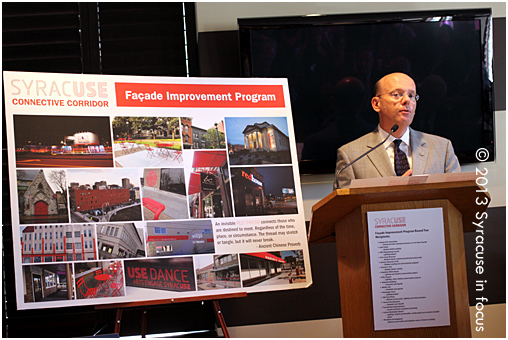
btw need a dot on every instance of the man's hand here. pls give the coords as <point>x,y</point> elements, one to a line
<point>408,173</point>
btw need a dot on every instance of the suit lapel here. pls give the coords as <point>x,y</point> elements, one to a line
<point>379,157</point>
<point>420,152</point>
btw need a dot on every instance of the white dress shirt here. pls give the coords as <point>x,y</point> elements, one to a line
<point>390,146</point>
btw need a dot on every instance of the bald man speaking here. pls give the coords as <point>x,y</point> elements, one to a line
<point>405,152</point>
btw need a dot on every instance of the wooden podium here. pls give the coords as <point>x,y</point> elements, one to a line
<point>341,217</point>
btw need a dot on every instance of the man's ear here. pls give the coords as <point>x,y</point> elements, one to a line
<point>375,104</point>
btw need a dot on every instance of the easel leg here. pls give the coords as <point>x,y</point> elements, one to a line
<point>220,318</point>
<point>118,320</point>
<point>143,323</point>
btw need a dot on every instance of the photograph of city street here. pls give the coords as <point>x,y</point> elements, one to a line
<point>101,195</point>
<point>272,268</point>
<point>120,240</point>
<point>44,141</point>
<point>42,196</point>
<point>267,190</point>
<point>47,282</point>
<point>179,238</point>
<point>258,140</point>
<point>203,132</point>
<point>208,185</point>
<point>147,142</point>
<point>98,279</point>
<point>217,271</point>
<point>58,243</point>
<point>163,192</point>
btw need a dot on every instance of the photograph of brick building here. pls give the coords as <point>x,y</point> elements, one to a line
<point>48,282</point>
<point>58,242</point>
<point>205,132</point>
<point>104,195</point>
<point>120,240</point>
<point>42,196</point>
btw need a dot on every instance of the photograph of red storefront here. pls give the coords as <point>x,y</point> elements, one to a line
<point>259,267</point>
<point>218,272</point>
<point>267,190</point>
<point>58,243</point>
<point>179,238</point>
<point>209,185</point>
<point>271,268</point>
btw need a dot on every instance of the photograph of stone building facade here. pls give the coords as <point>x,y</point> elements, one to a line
<point>121,240</point>
<point>57,243</point>
<point>41,200</point>
<point>258,140</point>
<point>265,136</point>
<point>49,282</point>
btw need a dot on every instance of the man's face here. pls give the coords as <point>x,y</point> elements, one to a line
<point>392,110</point>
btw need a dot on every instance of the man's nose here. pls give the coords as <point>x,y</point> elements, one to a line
<point>405,98</point>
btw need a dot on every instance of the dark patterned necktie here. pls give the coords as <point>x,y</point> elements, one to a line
<point>401,163</point>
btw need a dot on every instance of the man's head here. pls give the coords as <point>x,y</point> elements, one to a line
<point>395,102</point>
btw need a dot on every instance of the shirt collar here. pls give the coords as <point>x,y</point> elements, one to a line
<point>384,134</point>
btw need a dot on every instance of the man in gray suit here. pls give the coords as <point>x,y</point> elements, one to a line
<point>417,153</point>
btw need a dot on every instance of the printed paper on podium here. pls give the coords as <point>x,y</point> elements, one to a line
<point>408,268</point>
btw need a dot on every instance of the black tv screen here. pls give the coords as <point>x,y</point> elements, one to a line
<point>332,63</point>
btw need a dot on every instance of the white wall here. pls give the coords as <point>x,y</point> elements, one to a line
<point>222,16</point>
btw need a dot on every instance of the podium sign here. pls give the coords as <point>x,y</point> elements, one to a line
<point>408,268</point>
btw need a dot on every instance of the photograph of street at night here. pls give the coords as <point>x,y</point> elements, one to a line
<point>268,190</point>
<point>44,141</point>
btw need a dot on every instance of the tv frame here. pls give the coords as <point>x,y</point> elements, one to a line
<point>321,166</point>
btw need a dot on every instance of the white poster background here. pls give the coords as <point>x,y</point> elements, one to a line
<point>48,94</point>
<point>408,268</point>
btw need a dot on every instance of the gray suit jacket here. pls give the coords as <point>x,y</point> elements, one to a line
<point>431,155</point>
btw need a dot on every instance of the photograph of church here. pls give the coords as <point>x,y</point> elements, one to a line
<point>42,196</point>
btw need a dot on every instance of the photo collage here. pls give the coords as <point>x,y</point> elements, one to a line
<point>112,206</point>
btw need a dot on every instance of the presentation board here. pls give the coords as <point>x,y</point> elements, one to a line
<point>128,188</point>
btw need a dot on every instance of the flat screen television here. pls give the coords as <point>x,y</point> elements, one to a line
<point>333,61</point>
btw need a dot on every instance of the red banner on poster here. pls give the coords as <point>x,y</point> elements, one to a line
<point>198,95</point>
